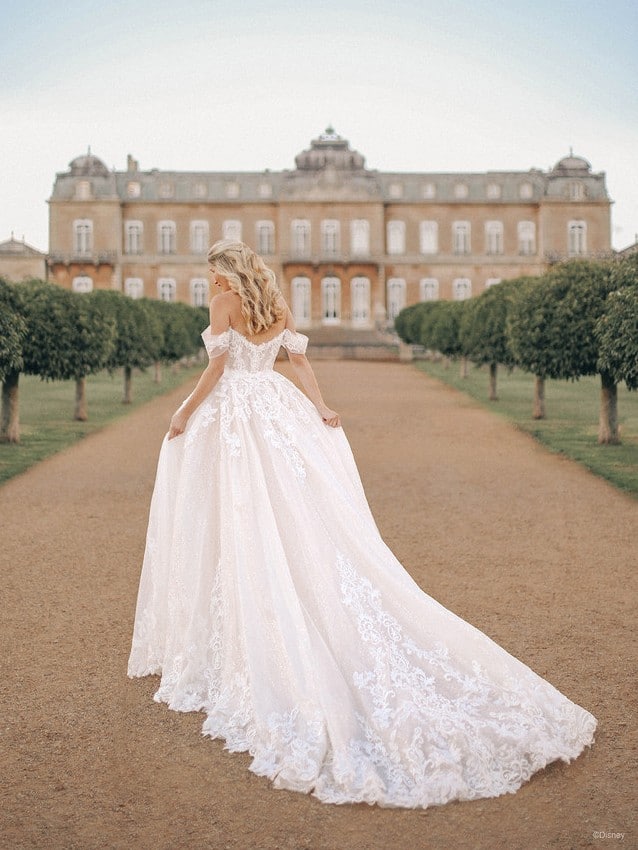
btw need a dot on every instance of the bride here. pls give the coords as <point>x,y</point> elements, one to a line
<point>269,601</point>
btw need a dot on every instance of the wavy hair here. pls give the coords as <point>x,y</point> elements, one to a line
<point>248,276</point>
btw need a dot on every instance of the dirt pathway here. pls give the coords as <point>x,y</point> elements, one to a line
<point>526,546</point>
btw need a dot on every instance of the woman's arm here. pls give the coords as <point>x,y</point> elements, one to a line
<point>219,322</point>
<point>304,372</point>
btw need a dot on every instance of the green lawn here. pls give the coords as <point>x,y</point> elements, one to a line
<point>46,411</point>
<point>571,426</point>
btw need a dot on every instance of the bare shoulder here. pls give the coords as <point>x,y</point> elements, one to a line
<point>220,310</point>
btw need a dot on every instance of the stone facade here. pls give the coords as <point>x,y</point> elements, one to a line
<point>19,261</point>
<point>350,245</point>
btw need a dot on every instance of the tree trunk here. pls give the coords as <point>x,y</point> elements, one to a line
<point>10,417</point>
<point>539,398</point>
<point>608,422</point>
<point>463,372</point>
<point>493,370</point>
<point>157,374</point>
<point>80,414</point>
<point>128,385</point>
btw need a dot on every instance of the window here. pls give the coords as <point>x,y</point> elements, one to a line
<point>166,190</point>
<point>301,303</point>
<point>166,237</point>
<point>493,237</point>
<point>526,238</point>
<point>231,229</point>
<point>166,288</point>
<point>82,284</point>
<point>360,237</point>
<point>134,287</point>
<point>492,281</point>
<point>201,190</point>
<point>360,301</point>
<point>300,238</point>
<point>493,191</point>
<point>525,190</point>
<point>577,238</point>
<point>133,189</point>
<point>461,237</point>
<point>199,291</point>
<point>83,190</point>
<point>576,191</point>
<point>428,289</point>
<point>461,190</point>
<point>429,237</point>
<point>265,237</point>
<point>428,191</point>
<point>83,236</point>
<point>461,288</point>
<point>395,190</point>
<point>265,190</point>
<point>396,237</point>
<point>331,300</point>
<point>134,231</point>
<point>232,189</point>
<point>199,237</point>
<point>330,237</point>
<point>396,297</point>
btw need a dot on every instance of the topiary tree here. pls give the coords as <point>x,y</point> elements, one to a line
<point>483,333</point>
<point>440,330</point>
<point>93,341</point>
<point>617,328</point>
<point>138,335</point>
<point>13,330</point>
<point>177,337</point>
<point>408,323</point>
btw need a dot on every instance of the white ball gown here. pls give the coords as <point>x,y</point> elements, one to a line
<point>269,601</point>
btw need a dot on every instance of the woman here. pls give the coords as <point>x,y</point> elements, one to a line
<point>269,601</point>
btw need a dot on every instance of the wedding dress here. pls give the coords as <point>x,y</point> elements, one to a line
<point>269,601</point>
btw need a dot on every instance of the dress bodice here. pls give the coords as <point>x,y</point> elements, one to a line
<point>247,356</point>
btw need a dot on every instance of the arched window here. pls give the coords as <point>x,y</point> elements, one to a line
<point>461,237</point>
<point>525,191</point>
<point>199,237</point>
<point>330,237</point>
<point>396,237</point>
<point>134,287</point>
<point>83,284</point>
<point>461,190</point>
<point>301,301</point>
<point>576,191</point>
<point>166,237</point>
<point>461,288</point>
<point>493,237</point>
<point>166,289</point>
<point>360,301</point>
<point>428,289</point>
<point>300,237</point>
<point>396,296</point>
<point>83,190</point>
<point>429,237</point>
<point>265,237</point>
<point>134,231</point>
<point>331,300</point>
<point>83,236</point>
<point>526,238</point>
<point>360,237</point>
<point>231,229</point>
<point>199,291</point>
<point>577,238</point>
<point>493,191</point>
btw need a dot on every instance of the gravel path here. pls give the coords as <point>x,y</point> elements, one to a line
<point>525,545</point>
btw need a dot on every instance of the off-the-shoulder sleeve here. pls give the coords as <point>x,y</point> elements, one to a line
<point>216,344</point>
<point>294,342</point>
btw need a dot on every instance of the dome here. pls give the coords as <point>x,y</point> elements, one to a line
<point>572,163</point>
<point>88,165</point>
<point>330,150</point>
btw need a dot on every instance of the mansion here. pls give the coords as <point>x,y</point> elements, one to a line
<point>349,245</point>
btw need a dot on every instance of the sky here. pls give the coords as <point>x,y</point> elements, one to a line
<point>414,85</point>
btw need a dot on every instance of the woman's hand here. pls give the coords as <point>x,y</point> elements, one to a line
<point>178,424</point>
<point>330,417</point>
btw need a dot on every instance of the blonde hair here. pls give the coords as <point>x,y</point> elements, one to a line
<point>248,276</point>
